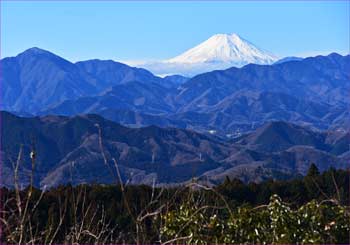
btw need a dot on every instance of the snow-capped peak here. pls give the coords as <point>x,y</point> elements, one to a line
<point>220,51</point>
<point>225,48</point>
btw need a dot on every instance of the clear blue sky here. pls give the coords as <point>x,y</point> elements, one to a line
<point>158,30</point>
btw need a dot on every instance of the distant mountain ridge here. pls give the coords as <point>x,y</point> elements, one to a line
<point>37,79</point>
<point>312,91</point>
<point>287,59</point>
<point>241,98</point>
<point>68,150</point>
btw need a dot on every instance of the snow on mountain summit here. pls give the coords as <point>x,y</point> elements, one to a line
<point>227,48</point>
<point>220,51</point>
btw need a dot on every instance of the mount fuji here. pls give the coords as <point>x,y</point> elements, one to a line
<point>225,48</point>
<point>220,51</point>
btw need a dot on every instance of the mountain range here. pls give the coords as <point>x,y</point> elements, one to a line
<point>312,91</point>
<point>89,149</point>
<point>252,122</point>
<point>37,78</point>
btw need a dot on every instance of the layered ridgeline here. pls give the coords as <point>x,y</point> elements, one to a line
<point>312,91</point>
<point>37,79</point>
<point>89,149</point>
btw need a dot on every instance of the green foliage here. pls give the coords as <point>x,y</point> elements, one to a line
<point>275,223</point>
<point>313,209</point>
<point>193,222</point>
<point>313,171</point>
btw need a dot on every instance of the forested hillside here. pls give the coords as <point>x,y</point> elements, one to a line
<point>313,209</point>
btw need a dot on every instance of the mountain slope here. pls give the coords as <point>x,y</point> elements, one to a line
<point>110,73</point>
<point>37,79</point>
<point>169,155</point>
<point>140,97</point>
<point>68,149</point>
<point>322,78</point>
<point>277,136</point>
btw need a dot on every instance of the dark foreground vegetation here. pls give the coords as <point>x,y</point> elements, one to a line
<point>313,209</point>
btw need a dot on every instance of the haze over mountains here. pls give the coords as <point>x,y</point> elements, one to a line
<point>253,122</point>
